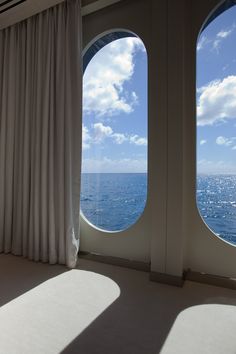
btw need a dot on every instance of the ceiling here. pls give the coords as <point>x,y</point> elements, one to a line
<point>14,11</point>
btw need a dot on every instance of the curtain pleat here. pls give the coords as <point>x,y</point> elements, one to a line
<point>40,135</point>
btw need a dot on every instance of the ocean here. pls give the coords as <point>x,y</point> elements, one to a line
<point>216,200</point>
<point>115,201</point>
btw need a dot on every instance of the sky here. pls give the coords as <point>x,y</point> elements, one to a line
<point>115,103</point>
<point>115,109</point>
<point>216,96</point>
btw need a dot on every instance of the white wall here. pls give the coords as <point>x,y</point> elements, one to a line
<point>171,233</point>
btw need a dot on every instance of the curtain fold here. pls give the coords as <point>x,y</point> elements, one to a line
<point>40,135</point>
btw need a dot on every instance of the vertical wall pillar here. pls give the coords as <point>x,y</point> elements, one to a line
<point>157,142</point>
<point>175,240</point>
<point>167,264</point>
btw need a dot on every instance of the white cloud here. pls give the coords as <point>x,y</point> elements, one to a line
<point>135,139</point>
<point>221,140</point>
<point>220,37</point>
<point>203,142</point>
<point>106,165</point>
<point>217,101</point>
<point>134,97</point>
<point>215,43</point>
<point>215,167</point>
<point>105,76</point>
<point>101,132</point>
<point>119,138</point>
<point>202,42</point>
<point>86,138</point>
<point>224,33</point>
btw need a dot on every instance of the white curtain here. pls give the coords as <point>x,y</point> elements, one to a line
<point>40,135</point>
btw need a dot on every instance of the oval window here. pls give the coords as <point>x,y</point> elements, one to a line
<point>114,154</point>
<point>216,124</point>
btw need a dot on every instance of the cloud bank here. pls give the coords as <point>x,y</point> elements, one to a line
<point>105,76</point>
<point>100,132</point>
<point>205,166</point>
<point>106,165</point>
<point>217,102</point>
<point>228,142</point>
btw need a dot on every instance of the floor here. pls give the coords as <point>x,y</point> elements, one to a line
<point>105,309</point>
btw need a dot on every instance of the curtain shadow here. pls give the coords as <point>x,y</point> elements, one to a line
<point>19,275</point>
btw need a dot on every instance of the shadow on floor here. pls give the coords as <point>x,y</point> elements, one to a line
<point>139,321</point>
<point>19,275</point>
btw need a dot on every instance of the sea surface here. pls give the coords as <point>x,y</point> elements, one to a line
<point>115,201</point>
<point>216,199</point>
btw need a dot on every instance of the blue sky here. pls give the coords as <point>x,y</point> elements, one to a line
<point>115,103</point>
<point>216,96</point>
<point>115,109</point>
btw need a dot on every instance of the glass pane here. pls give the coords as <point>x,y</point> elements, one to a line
<point>216,125</point>
<point>114,164</point>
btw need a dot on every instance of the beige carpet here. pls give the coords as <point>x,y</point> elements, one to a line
<point>104,309</point>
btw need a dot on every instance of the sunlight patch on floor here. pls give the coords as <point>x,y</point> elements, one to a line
<point>49,317</point>
<point>204,329</point>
